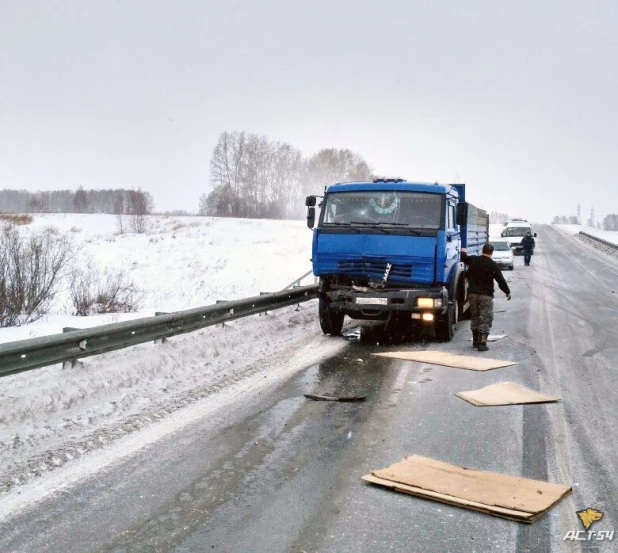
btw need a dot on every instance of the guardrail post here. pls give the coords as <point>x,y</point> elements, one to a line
<point>164,339</point>
<point>263,312</point>
<point>70,364</point>
<point>222,324</point>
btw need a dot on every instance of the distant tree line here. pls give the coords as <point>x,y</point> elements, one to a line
<point>255,177</point>
<point>495,217</point>
<point>76,201</point>
<point>610,222</point>
<point>565,220</point>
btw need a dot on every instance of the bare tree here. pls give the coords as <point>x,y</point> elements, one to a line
<point>93,292</point>
<point>139,206</point>
<point>334,165</point>
<point>203,208</point>
<point>120,211</point>
<point>31,264</point>
<point>610,222</point>
<point>255,177</point>
<point>80,201</point>
<point>226,167</point>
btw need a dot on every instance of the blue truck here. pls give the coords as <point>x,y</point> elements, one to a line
<point>392,248</point>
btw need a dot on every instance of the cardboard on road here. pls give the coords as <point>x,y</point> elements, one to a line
<point>449,359</point>
<point>505,393</point>
<point>510,497</point>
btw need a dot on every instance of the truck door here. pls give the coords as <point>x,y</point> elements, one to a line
<point>452,238</point>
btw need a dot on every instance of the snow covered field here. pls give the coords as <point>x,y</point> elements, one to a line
<point>610,236</point>
<point>182,262</point>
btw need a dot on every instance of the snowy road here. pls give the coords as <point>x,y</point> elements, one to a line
<point>254,466</point>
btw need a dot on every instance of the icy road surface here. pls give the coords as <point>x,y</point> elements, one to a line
<point>254,466</point>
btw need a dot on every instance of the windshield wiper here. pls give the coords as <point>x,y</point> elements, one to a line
<point>412,230</point>
<point>347,225</point>
<point>367,224</point>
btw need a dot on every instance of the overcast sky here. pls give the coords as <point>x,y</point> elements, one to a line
<point>518,98</point>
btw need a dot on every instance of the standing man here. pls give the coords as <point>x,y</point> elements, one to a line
<point>527,243</point>
<point>482,271</point>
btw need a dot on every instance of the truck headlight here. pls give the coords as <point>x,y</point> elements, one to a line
<point>428,303</point>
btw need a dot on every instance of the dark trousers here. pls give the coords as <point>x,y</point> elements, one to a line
<point>482,313</point>
<point>527,257</point>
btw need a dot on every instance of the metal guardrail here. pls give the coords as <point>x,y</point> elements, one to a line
<point>299,280</point>
<point>25,355</point>
<point>600,240</point>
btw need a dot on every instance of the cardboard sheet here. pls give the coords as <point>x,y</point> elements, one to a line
<point>501,495</point>
<point>449,359</point>
<point>505,393</point>
<point>492,337</point>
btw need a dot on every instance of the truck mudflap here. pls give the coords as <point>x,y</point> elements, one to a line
<point>368,303</point>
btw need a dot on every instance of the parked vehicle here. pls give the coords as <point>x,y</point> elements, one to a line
<point>392,247</point>
<point>514,231</point>
<point>503,254</point>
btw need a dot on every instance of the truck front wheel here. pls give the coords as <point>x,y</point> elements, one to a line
<point>330,321</point>
<point>445,325</point>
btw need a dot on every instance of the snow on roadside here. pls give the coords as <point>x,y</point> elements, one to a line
<point>76,411</point>
<point>610,236</point>
<point>180,263</point>
<point>495,229</point>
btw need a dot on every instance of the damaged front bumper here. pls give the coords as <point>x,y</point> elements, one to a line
<point>374,303</point>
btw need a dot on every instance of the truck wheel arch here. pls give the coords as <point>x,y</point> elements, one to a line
<point>460,294</point>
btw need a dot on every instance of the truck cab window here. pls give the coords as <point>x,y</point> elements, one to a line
<point>450,216</point>
<point>415,210</point>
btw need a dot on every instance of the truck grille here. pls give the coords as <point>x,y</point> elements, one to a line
<point>375,269</point>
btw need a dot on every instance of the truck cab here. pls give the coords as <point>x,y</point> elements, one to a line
<point>393,247</point>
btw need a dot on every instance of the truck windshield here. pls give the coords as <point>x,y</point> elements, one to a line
<point>516,231</point>
<point>410,209</point>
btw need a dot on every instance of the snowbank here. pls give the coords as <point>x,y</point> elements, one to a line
<point>495,229</point>
<point>182,262</point>
<point>610,236</point>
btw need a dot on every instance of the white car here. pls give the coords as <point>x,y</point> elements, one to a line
<point>503,254</point>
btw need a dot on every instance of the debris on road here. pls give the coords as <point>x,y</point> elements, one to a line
<point>501,495</point>
<point>448,359</point>
<point>492,337</point>
<point>505,393</point>
<point>317,397</point>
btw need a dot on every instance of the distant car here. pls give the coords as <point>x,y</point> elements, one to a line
<point>514,233</point>
<point>503,254</point>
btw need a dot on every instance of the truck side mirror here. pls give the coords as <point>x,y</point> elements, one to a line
<point>310,201</point>
<point>462,213</point>
<point>311,217</point>
<point>535,234</point>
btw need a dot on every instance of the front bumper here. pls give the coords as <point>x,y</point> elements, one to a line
<point>502,263</point>
<point>367,303</point>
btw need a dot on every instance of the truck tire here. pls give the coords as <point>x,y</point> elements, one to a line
<point>330,322</point>
<point>462,312</point>
<point>445,325</point>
